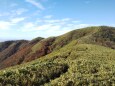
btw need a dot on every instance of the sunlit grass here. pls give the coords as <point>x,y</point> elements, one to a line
<point>73,65</point>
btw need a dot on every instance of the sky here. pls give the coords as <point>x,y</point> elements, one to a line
<point>28,19</point>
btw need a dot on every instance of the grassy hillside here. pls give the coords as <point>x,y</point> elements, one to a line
<point>73,65</point>
<point>98,35</point>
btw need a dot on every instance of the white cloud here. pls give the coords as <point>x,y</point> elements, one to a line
<point>76,21</point>
<point>48,27</point>
<point>20,11</point>
<point>48,16</point>
<point>66,19</point>
<point>57,30</point>
<point>17,20</point>
<point>29,25</point>
<point>70,25</point>
<point>17,12</point>
<point>13,13</point>
<point>44,27</point>
<point>5,25</point>
<point>47,19</point>
<point>81,26</point>
<point>52,21</point>
<point>35,3</point>
<point>52,27</point>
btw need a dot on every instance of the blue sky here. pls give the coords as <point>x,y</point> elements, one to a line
<point>27,19</point>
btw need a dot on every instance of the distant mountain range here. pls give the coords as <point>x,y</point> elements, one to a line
<point>92,47</point>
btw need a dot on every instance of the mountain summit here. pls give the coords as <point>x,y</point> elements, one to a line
<point>82,57</point>
<point>17,52</point>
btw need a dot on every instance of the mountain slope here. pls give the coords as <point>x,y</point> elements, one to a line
<point>83,57</point>
<point>16,52</point>
<point>100,35</point>
<point>8,48</point>
<point>4,45</point>
<point>73,65</point>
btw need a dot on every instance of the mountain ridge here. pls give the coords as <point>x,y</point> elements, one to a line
<point>100,35</point>
<point>83,57</point>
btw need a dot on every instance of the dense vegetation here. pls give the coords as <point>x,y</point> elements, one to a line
<point>84,57</point>
<point>83,64</point>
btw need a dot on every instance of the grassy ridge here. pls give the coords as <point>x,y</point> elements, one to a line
<point>73,65</point>
<point>39,47</point>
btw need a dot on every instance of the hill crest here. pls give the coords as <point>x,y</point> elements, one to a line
<point>31,50</point>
